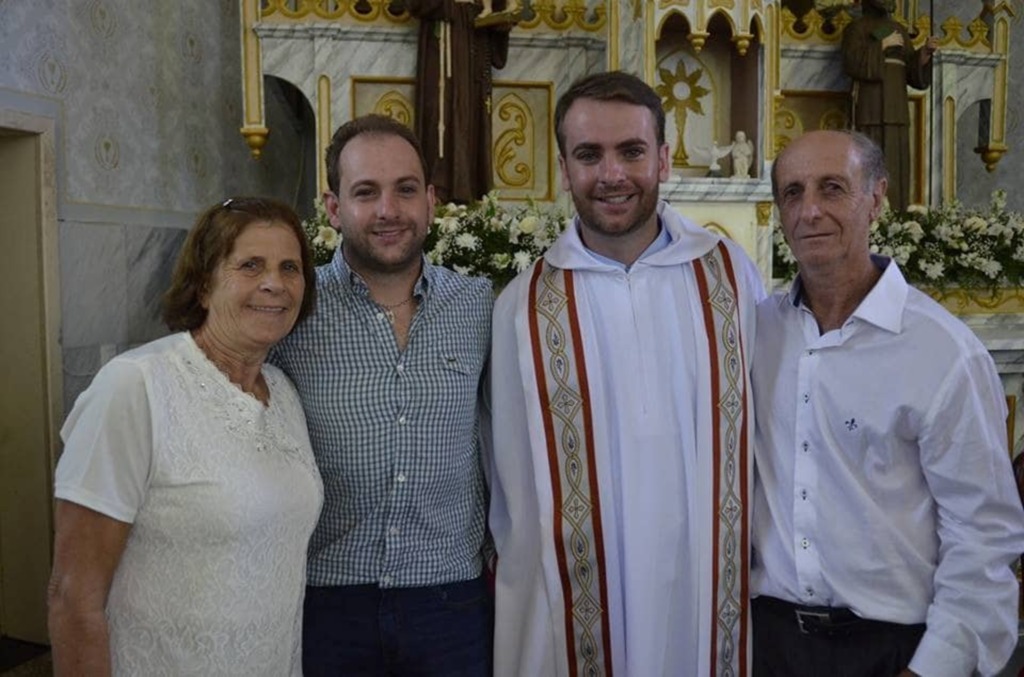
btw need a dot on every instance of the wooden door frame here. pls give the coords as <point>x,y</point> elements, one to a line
<point>43,131</point>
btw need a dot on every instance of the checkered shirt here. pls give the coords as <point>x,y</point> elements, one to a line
<point>395,432</point>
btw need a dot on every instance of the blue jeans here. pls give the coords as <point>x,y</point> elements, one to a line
<point>436,631</point>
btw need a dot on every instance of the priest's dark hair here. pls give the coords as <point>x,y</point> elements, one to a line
<point>610,86</point>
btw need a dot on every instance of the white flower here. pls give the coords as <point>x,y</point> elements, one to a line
<point>467,241</point>
<point>327,237</point>
<point>990,268</point>
<point>501,259</point>
<point>998,200</point>
<point>447,225</point>
<point>528,224</point>
<point>976,224</point>
<point>521,261</point>
<point>917,209</point>
<point>932,270</point>
<point>461,270</point>
<point>915,230</point>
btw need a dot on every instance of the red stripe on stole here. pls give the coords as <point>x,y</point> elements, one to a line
<point>595,494</point>
<point>744,479</point>
<point>556,488</point>
<point>709,328</point>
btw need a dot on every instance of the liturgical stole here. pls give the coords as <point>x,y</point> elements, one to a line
<point>561,373</point>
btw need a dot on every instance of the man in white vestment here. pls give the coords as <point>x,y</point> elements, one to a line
<point>886,517</point>
<point>622,429</point>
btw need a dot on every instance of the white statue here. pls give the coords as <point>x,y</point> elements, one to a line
<point>717,153</point>
<point>742,154</point>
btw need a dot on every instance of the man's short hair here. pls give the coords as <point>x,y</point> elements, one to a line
<point>872,160</point>
<point>610,86</point>
<point>378,125</point>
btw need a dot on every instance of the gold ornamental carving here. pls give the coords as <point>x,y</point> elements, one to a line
<point>566,15</point>
<point>511,169</point>
<point>395,106</point>
<point>365,11</point>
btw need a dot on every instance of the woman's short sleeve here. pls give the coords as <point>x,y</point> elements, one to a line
<point>108,443</point>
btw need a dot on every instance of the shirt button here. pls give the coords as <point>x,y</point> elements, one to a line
<point>810,352</point>
<point>393,531</point>
<point>401,477</point>
<point>380,316</point>
<point>804,543</point>
<point>386,579</point>
<point>401,419</point>
<point>807,398</point>
<point>803,494</point>
<point>810,592</point>
<point>400,368</point>
<point>805,446</point>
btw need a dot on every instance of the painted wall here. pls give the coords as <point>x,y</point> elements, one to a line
<point>147,99</point>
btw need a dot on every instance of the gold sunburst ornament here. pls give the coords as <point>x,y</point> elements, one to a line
<point>680,94</point>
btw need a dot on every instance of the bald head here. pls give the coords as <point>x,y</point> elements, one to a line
<point>865,153</point>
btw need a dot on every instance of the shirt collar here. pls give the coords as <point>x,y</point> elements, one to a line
<point>352,282</point>
<point>662,240</point>
<point>883,306</point>
<point>686,241</point>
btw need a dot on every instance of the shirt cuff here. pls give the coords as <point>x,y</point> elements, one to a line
<point>936,658</point>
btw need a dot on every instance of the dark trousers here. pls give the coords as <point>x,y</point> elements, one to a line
<point>839,645</point>
<point>365,630</point>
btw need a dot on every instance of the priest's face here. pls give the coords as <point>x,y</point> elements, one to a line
<point>612,165</point>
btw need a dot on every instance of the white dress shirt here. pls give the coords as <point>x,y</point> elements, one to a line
<point>883,479</point>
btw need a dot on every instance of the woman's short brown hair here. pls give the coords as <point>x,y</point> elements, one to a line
<point>211,241</point>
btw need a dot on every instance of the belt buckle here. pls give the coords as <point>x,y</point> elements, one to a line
<point>802,615</point>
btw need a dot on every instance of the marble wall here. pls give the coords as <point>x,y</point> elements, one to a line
<point>146,99</point>
<point>974,184</point>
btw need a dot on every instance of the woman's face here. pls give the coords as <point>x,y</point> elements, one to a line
<point>256,291</point>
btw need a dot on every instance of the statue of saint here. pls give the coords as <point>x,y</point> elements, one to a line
<point>453,91</point>
<point>880,60</point>
<point>742,154</point>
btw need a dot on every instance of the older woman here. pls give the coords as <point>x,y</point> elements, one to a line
<point>187,489</point>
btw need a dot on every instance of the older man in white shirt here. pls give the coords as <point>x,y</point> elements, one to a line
<point>885,513</point>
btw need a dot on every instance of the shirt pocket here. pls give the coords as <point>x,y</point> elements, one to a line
<point>454,364</point>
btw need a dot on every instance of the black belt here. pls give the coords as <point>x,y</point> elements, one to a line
<point>827,621</point>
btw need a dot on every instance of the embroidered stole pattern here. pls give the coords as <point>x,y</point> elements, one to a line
<point>560,370</point>
<point>730,560</point>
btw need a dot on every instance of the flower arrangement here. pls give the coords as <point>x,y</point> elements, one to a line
<point>949,246</point>
<point>491,240</point>
<point>322,236</point>
<point>485,238</point>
